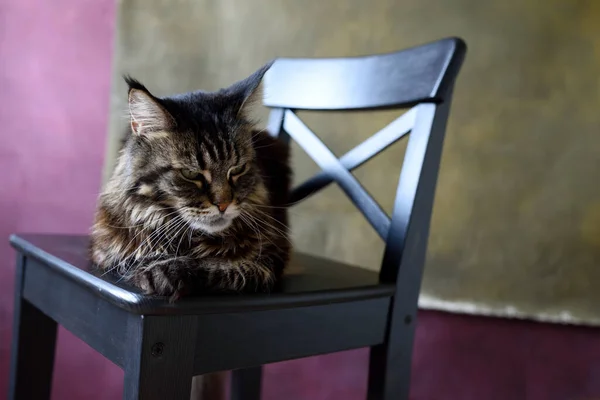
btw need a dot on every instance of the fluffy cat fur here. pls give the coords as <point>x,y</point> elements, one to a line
<point>197,200</point>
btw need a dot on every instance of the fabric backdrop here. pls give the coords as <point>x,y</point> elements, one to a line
<point>516,226</point>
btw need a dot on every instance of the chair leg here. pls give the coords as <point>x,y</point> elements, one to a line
<point>246,383</point>
<point>32,359</point>
<point>390,364</point>
<point>159,359</point>
<point>33,345</point>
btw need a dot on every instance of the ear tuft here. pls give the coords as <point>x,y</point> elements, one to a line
<point>134,83</point>
<point>148,116</point>
<point>249,91</point>
<point>255,97</point>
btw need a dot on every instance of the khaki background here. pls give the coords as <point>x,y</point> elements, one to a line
<point>516,226</point>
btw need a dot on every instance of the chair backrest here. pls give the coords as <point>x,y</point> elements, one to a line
<point>422,77</point>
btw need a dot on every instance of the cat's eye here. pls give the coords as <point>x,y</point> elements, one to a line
<point>237,171</point>
<point>191,175</point>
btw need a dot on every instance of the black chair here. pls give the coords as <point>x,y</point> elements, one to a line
<point>327,308</point>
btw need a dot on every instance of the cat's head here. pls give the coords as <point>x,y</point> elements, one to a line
<point>193,152</point>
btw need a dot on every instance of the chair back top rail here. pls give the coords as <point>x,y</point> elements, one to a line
<point>419,74</point>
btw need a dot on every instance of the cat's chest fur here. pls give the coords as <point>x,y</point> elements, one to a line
<point>232,246</point>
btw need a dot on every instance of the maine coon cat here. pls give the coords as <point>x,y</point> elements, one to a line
<point>197,200</point>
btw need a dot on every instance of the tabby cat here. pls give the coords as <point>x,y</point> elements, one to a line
<point>197,200</point>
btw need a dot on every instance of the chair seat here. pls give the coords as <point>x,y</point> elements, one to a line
<point>311,280</point>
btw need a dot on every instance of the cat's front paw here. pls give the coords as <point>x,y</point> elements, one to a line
<point>164,278</point>
<point>240,279</point>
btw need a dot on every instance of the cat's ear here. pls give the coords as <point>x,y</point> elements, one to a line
<point>147,115</point>
<point>249,91</point>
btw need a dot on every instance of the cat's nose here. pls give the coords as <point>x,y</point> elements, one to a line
<point>223,206</point>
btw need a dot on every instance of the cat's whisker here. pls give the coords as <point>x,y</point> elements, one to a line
<point>267,225</point>
<point>166,225</point>
<point>160,237</point>
<point>257,133</point>
<point>143,224</point>
<point>272,218</point>
<point>279,208</point>
<point>287,205</point>
<point>183,235</point>
<point>265,146</point>
<point>183,228</point>
<point>255,229</point>
<point>181,221</point>
<point>261,236</point>
<point>156,233</point>
<point>269,207</point>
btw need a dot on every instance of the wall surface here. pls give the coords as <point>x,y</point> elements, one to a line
<point>54,89</point>
<point>516,226</point>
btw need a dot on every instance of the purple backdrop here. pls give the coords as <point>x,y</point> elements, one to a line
<point>55,59</point>
<point>54,89</point>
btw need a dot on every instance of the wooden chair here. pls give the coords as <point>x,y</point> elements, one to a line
<point>328,308</point>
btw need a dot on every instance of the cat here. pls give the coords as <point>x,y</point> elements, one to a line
<point>197,200</point>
